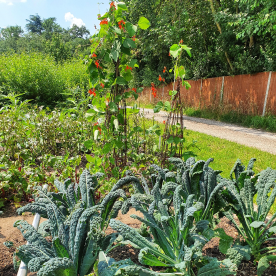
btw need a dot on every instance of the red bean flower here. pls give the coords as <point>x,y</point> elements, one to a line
<point>112,4</point>
<point>164,70</point>
<point>97,63</point>
<point>94,55</point>
<point>128,68</point>
<point>160,78</point>
<point>102,85</point>
<point>104,22</point>
<point>134,89</point>
<point>133,38</point>
<point>92,92</point>
<point>154,90</point>
<point>120,23</point>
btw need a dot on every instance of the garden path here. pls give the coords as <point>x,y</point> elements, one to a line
<point>265,141</point>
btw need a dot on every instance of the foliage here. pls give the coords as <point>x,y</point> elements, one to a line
<point>76,222</point>
<point>45,36</point>
<point>177,242</point>
<point>199,179</point>
<point>265,262</point>
<point>38,145</point>
<point>227,37</point>
<point>38,78</point>
<point>266,122</point>
<point>173,230</point>
<point>255,228</point>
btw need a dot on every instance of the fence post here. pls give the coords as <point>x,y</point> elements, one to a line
<point>266,94</point>
<point>200,94</point>
<point>221,90</point>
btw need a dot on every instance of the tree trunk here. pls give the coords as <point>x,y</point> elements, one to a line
<point>220,31</point>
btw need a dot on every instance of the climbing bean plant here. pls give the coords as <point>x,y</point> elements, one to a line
<point>110,68</point>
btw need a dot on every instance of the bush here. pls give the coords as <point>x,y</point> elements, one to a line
<point>39,77</point>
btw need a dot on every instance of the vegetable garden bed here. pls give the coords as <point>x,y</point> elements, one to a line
<point>247,268</point>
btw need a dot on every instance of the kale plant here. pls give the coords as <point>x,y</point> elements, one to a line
<point>76,223</point>
<point>175,242</point>
<point>242,188</point>
<point>199,179</point>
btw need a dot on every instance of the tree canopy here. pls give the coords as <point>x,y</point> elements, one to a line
<point>227,37</point>
<point>46,36</point>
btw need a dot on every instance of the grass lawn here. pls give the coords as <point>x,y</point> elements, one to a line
<point>225,153</point>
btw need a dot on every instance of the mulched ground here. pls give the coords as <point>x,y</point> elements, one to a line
<point>125,252</point>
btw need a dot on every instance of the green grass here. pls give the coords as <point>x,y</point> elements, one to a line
<point>141,104</point>
<point>225,153</point>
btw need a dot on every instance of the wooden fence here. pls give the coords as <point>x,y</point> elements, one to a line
<point>247,94</point>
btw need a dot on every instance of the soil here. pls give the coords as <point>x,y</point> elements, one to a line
<point>8,232</point>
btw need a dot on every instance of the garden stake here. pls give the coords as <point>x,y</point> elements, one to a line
<point>22,271</point>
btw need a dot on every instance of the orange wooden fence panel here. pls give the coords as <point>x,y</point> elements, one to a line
<point>242,93</point>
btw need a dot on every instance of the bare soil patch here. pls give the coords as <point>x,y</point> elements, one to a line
<point>10,233</point>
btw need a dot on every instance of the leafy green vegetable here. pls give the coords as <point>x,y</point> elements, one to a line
<point>176,242</point>
<point>76,224</point>
<point>241,188</point>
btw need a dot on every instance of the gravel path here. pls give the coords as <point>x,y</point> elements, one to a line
<point>265,141</point>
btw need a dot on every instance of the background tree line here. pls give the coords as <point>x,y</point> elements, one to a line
<point>46,36</point>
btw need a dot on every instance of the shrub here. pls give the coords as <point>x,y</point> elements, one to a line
<point>39,78</point>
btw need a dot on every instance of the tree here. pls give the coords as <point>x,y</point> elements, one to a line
<point>226,36</point>
<point>79,32</point>
<point>35,24</point>
<point>58,48</point>
<point>9,38</point>
<point>50,26</point>
<point>12,32</point>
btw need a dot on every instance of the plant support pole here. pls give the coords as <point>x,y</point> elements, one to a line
<point>22,271</point>
<point>266,94</point>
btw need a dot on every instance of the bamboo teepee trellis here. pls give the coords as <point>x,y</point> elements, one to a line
<point>172,142</point>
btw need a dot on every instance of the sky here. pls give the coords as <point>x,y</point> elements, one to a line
<point>67,12</point>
